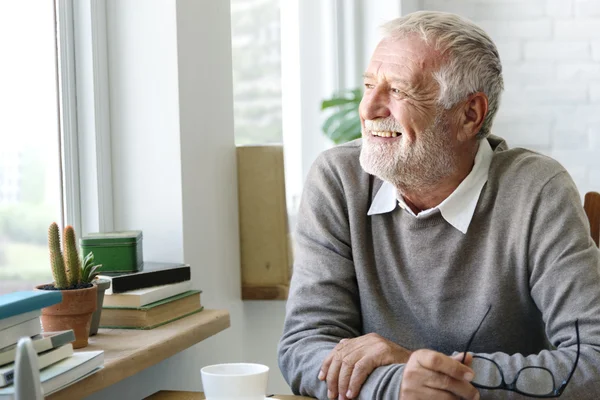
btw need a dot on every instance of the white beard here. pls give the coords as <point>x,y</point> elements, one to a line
<point>413,166</point>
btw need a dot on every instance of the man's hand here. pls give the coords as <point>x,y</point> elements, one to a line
<point>432,375</point>
<point>350,363</point>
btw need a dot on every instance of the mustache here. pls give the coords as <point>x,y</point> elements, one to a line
<point>383,124</point>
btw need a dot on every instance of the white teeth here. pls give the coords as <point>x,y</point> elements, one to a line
<point>386,134</point>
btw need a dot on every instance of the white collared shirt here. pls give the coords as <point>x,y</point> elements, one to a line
<point>458,208</point>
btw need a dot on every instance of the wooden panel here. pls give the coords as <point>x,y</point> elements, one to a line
<point>591,205</point>
<point>264,237</point>
<point>278,292</point>
<point>127,351</point>
<point>176,395</point>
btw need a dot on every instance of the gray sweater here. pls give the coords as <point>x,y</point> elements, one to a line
<point>421,283</point>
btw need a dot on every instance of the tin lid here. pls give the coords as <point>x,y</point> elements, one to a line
<point>102,238</point>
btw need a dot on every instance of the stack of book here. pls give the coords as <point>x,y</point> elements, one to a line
<point>158,294</point>
<point>59,365</point>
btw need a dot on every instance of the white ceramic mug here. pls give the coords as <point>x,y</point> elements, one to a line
<point>239,381</point>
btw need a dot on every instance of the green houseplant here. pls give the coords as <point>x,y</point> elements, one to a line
<point>343,125</point>
<point>74,279</point>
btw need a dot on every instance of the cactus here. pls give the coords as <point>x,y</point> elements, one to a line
<point>72,262</point>
<point>68,271</point>
<point>56,258</point>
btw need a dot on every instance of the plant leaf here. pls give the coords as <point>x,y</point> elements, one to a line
<point>344,124</point>
<point>93,272</point>
<point>336,102</point>
<point>334,120</point>
<point>349,129</point>
<point>88,272</point>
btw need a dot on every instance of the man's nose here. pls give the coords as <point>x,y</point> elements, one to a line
<point>375,104</point>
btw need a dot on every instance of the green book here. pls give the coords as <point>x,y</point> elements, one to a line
<point>152,315</point>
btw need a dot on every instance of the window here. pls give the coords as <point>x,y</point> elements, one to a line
<point>256,55</point>
<point>30,167</point>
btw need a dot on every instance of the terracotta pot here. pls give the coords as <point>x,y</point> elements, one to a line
<point>73,312</point>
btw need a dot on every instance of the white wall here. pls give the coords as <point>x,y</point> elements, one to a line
<point>550,50</point>
<point>144,111</point>
<point>174,174</point>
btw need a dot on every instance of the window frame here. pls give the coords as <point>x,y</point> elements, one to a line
<point>67,113</point>
<point>84,115</point>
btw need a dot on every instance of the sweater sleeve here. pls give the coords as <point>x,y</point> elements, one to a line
<point>564,268</point>
<point>323,305</point>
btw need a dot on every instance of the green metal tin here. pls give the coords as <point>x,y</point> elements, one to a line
<point>118,252</point>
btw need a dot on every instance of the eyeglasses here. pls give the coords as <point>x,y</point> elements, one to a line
<point>535,382</point>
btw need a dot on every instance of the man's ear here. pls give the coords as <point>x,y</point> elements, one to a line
<point>472,115</point>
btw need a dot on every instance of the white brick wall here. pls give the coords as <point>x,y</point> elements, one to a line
<point>556,50</point>
<point>587,8</point>
<point>595,93</point>
<point>559,8</point>
<point>550,51</point>
<point>596,51</point>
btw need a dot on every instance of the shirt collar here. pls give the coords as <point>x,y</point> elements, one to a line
<point>458,208</point>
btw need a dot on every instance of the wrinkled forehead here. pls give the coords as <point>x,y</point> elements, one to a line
<point>408,58</point>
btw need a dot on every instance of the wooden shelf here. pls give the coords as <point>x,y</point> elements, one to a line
<point>127,351</point>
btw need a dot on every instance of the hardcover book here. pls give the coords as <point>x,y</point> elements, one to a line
<point>152,315</point>
<point>152,274</point>
<point>19,318</point>
<point>7,373</point>
<point>16,303</point>
<point>10,336</point>
<point>142,297</point>
<point>42,342</point>
<point>63,373</point>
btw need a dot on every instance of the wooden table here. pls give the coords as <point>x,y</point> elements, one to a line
<point>176,395</point>
<point>128,351</point>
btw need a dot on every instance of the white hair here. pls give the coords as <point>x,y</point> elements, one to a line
<point>471,60</point>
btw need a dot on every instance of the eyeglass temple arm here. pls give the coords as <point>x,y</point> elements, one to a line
<point>566,382</point>
<point>473,335</point>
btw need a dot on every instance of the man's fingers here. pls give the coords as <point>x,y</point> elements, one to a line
<point>439,362</point>
<point>327,362</point>
<point>458,387</point>
<point>459,357</point>
<point>332,378</point>
<point>368,351</point>
<point>344,378</point>
<point>325,366</point>
<point>361,371</point>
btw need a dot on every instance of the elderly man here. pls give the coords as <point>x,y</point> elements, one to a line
<point>427,229</point>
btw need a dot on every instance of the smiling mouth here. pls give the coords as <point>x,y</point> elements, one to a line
<point>385,134</point>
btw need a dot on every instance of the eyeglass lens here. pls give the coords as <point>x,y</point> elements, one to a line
<point>531,380</point>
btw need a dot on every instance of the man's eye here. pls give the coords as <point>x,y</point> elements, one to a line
<point>369,86</point>
<point>396,91</point>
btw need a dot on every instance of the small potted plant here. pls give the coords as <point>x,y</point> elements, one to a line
<point>75,282</point>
